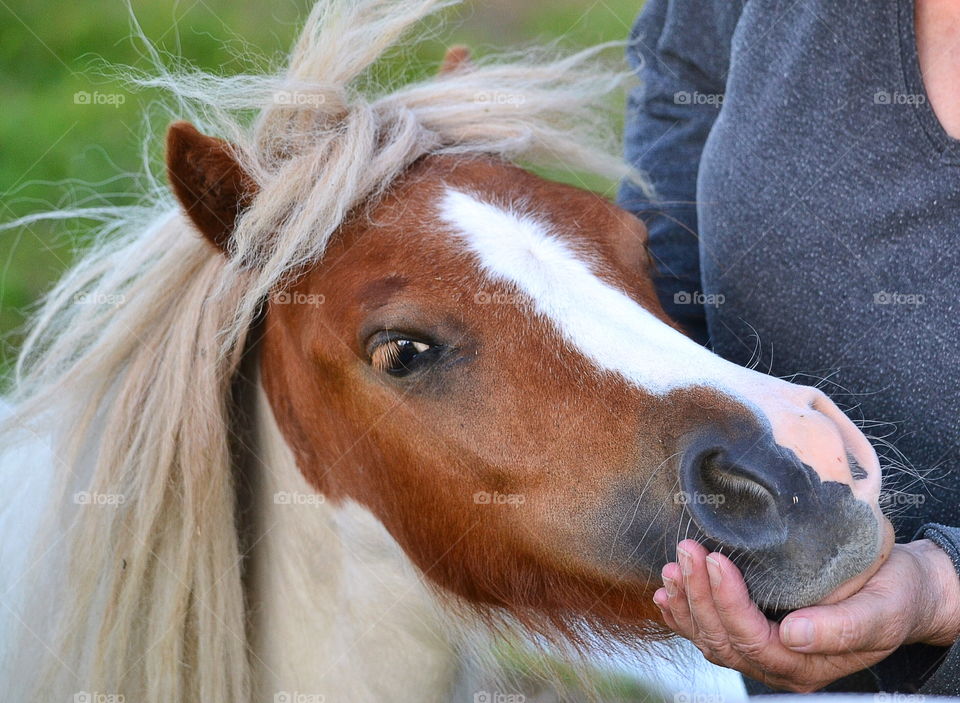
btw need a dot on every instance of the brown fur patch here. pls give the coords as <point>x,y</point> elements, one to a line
<point>457,58</point>
<point>208,182</point>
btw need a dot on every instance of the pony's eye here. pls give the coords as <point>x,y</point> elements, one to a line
<point>398,357</point>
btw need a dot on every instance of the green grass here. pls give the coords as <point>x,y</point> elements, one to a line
<point>50,51</point>
<point>539,674</point>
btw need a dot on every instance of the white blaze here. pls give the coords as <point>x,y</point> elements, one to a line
<point>600,321</point>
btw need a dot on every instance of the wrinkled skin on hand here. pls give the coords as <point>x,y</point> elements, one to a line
<point>913,597</point>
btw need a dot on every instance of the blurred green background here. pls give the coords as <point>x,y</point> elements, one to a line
<point>52,143</point>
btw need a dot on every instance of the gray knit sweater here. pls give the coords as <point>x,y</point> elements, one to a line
<point>809,198</point>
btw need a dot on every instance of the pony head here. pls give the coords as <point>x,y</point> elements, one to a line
<point>479,358</point>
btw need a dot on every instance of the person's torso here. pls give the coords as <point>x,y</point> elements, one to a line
<point>829,211</point>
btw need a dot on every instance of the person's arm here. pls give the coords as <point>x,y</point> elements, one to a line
<point>680,51</point>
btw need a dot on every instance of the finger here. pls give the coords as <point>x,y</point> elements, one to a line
<point>677,599</point>
<point>754,638</point>
<point>711,635</point>
<point>864,622</point>
<point>747,628</point>
<point>660,600</point>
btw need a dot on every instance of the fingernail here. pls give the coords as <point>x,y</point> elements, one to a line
<point>660,599</point>
<point>713,571</point>
<point>684,558</point>
<point>670,586</point>
<point>797,632</point>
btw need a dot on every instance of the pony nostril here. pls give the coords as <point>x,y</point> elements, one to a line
<point>856,468</point>
<point>854,441</point>
<point>733,485</point>
<point>731,500</point>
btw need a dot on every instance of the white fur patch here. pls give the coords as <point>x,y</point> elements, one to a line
<point>600,321</point>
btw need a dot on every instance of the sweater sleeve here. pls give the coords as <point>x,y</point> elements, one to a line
<point>945,681</point>
<point>680,51</point>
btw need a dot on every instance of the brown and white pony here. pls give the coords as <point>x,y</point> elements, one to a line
<point>368,389</point>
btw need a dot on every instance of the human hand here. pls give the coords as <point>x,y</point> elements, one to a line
<point>913,597</point>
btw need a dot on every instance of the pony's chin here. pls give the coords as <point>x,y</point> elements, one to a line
<point>808,569</point>
<point>847,587</point>
<point>853,585</point>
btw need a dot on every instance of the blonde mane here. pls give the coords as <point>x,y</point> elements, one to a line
<point>133,392</point>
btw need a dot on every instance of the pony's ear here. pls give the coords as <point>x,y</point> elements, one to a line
<point>456,59</point>
<point>207,180</point>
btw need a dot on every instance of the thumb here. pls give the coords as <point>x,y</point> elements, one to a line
<point>861,623</point>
